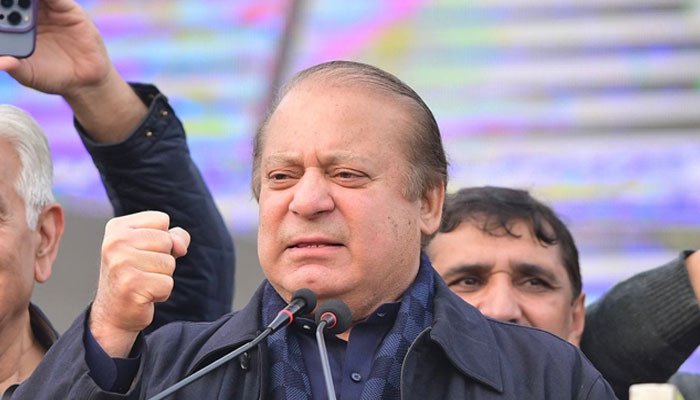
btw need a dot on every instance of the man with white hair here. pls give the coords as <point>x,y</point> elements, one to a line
<point>32,223</point>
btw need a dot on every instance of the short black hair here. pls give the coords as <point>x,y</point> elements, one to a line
<point>495,209</point>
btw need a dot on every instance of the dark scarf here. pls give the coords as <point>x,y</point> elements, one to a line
<point>288,377</point>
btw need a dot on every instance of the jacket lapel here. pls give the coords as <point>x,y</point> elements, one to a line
<point>466,337</point>
<point>237,329</point>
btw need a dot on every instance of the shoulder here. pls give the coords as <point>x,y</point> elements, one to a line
<point>532,343</point>
<point>516,358</point>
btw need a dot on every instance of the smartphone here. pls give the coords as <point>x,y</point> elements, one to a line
<point>17,27</point>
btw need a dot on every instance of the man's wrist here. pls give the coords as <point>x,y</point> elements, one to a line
<point>117,343</point>
<point>108,111</point>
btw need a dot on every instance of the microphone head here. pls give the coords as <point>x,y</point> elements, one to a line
<point>342,314</point>
<point>309,299</point>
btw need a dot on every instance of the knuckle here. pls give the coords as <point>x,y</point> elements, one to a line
<point>169,264</point>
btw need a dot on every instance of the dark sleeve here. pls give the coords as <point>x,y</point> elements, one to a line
<point>152,170</point>
<point>64,374</point>
<point>111,374</point>
<point>644,328</point>
<point>600,390</point>
<point>687,384</point>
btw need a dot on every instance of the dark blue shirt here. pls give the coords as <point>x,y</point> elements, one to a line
<point>351,361</point>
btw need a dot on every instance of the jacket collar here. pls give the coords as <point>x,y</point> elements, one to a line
<point>43,331</point>
<point>234,330</point>
<point>466,337</point>
<point>460,329</point>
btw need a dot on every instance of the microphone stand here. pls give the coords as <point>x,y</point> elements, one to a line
<point>325,365</point>
<point>334,316</point>
<point>303,302</point>
<point>233,354</point>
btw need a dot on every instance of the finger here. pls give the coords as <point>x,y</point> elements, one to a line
<point>150,240</point>
<point>155,263</point>
<point>157,288</point>
<point>122,242</point>
<point>119,265</point>
<point>58,5</point>
<point>148,219</point>
<point>180,241</point>
<point>9,64</point>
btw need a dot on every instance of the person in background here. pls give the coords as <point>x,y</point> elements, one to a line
<point>512,257</point>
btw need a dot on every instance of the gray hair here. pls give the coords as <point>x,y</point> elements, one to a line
<point>36,170</point>
<point>424,152</point>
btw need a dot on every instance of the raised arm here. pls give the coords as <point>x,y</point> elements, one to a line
<point>644,328</point>
<point>70,60</point>
<point>139,147</point>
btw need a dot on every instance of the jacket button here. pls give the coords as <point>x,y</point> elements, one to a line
<point>356,377</point>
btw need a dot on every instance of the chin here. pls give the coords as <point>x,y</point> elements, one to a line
<point>325,286</point>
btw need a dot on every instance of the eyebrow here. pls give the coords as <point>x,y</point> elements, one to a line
<point>464,269</point>
<point>535,270</point>
<point>334,157</point>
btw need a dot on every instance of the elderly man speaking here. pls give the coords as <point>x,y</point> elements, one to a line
<point>350,174</point>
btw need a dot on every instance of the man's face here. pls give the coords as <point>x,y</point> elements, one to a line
<point>333,216</point>
<point>17,241</point>
<point>512,279</point>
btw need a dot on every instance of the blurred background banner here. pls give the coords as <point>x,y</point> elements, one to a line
<point>593,106</point>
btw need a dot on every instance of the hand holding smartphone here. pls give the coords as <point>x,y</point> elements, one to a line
<point>17,27</point>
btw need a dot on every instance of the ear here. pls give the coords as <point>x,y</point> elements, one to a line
<point>431,209</point>
<point>578,319</point>
<point>49,230</point>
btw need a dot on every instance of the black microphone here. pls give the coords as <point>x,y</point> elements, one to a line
<point>303,302</point>
<point>333,316</point>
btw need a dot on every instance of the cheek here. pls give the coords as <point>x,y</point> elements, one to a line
<point>550,314</point>
<point>271,211</point>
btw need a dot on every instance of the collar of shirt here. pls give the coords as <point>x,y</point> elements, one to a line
<point>351,361</point>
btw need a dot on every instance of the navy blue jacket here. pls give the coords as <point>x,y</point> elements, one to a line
<point>464,355</point>
<point>152,170</point>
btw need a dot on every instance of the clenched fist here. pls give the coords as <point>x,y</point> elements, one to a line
<point>138,261</point>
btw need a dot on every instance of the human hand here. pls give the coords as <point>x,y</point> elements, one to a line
<point>138,261</point>
<point>70,56</point>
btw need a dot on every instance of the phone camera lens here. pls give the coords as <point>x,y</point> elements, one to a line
<point>24,4</point>
<point>14,18</point>
<point>7,3</point>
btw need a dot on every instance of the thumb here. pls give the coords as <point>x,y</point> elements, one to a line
<point>9,64</point>
<point>181,240</point>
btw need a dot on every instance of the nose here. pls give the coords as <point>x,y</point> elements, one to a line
<point>500,301</point>
<point>312,195</point>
